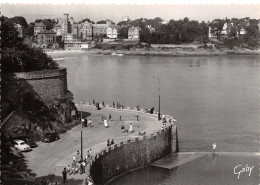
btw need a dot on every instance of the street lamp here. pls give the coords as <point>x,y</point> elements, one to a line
<point>159,111</point>
<point>81,131</point>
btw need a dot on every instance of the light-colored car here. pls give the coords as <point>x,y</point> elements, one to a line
<point>21,145</point>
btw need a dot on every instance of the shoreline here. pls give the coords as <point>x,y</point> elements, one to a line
<point>178,52</point>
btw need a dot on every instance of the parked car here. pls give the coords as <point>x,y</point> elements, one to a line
<point>28,141</point>
<point>21,145</point>
<point>8,150</point>
<point>50,137</point>
<point>15,152</point>
<point>19,178</point>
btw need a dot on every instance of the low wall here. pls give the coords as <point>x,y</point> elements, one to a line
<point>122,158</point>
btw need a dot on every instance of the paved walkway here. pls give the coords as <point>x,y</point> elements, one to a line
<point>51,158</point>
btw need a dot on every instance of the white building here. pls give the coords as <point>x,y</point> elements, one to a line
<point>112,32</point>
<point>126,18</point>
<point>133,32</point>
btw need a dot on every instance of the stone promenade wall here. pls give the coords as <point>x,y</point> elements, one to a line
<point>138,152</point>
<point>48,84</point>
<point>45,86</point>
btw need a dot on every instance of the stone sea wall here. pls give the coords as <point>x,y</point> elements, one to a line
<point>119,159</point>
<point>48,84</point>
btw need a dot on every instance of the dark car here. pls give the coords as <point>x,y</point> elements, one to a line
<point>15,152</point>
<point>19,178</point>
<point>50,137</point>
<point>8,150</point>
<point>30,142</point>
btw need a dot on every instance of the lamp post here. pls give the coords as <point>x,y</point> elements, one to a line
<point>81,131</point>
<point>159,107</point>
<point>159,112</point>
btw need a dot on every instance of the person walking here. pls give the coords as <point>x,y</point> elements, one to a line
<point>113,104</point>
<point>103,103</point>
<point>108,143</point>
<point>64,174</point>
<point>110,117</point>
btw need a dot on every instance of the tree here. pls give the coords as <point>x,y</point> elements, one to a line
<point>233,32</point>
<point>101,22</point>
<point>123,32</point>
<point>217,27</point>
<point>19,20</point>
<point>19,57</point>
<point>86,20</point>
<point>29,30</point>
<point>252,30</point>
<point>145,35</point>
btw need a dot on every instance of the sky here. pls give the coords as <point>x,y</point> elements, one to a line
<point>115,12</point>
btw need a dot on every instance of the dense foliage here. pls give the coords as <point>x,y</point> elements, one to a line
<point>188,31</point>
<point>19,57</point>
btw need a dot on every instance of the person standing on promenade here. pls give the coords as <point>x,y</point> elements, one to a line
<point>108,143</point>
<point>123,128</point>
<point>214,148</point>
<point>113,104</point>
<point>103,103</point>
<point>64,174</point>
<point>94,102</point>
<point>68,169</point>
<point>112,142</point>
<point>131,128</point>
<point>105,123</point>
<point>86,122</point>
<point>89,122</point>
<point>109,117</point>
<point>84,166</point>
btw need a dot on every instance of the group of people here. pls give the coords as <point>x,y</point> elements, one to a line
<point>109,143</point>
<point>170,121</point>
<point>118,105</point>
<point>78,164</point>
<point>131,129</point>
<point>86,122</point>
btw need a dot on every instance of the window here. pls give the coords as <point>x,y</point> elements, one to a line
<point>22,143</point>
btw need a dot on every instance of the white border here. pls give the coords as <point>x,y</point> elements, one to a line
<point>137,2</point>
